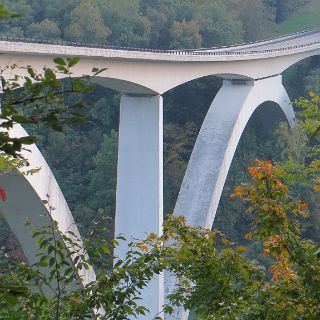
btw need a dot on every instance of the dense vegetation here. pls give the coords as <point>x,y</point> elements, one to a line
<point>85,170</point>
<point>305,18</point>
<point>148,23</point>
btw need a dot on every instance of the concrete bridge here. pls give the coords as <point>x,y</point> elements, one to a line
<point>251,76</point>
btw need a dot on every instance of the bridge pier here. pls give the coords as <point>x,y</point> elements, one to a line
<point>214,150</point>
<point>139,202</point>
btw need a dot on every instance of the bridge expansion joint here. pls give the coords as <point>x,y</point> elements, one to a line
<point>248,82</point>
<point>140,95</point>
<point>238,82</point>
<point>268,77</point>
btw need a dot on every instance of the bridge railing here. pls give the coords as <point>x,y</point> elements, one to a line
<point>190,52</point>
<point>268,40</point>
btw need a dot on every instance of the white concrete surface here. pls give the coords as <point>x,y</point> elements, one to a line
<point>141,72</point>
<point>139,204</point>
<point>24,201</point>
<point>214,150</point>
<point>216,144</point>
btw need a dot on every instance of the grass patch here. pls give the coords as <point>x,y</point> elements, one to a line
<point>308,17</point>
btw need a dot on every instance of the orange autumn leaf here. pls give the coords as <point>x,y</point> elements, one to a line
<point>143,248</point>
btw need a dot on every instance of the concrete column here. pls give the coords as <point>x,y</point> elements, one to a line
<point>139,204</point>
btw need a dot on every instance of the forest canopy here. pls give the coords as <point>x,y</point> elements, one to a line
<point>148,23</point>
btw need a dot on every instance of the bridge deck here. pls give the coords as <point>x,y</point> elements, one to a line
<point>306,40</point>
<point>282,42</point>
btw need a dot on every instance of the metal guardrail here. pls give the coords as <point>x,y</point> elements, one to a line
<point>192,52</point>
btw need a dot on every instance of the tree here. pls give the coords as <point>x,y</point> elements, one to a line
<point>218,26</point>
<point>45,30</point>
<point>177,150</point>
<point>42,101</point>
<point>25,14</point>
<point>86,24</point>
<point>312,81</point>
<point>129,27</point>
<point>105,174</point>
<point>215,279</point>
<point>284,8</point>
<point>255,17</point>
<point>185,35</point>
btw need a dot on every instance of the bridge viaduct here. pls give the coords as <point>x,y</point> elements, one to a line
<point>251,75</point>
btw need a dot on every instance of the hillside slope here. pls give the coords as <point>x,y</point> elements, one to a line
<point>308,17</point>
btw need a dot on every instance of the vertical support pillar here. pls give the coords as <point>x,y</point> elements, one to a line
<point>139,203</point>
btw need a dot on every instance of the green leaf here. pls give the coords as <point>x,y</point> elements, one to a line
<point>105,249</point>
<point>59,61</point>
<point>73,61</point>
<point>28,140</point>
<point>49,75</point>
<point>20,119</point>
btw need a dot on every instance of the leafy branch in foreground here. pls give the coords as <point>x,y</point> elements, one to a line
<point>215,279</point>
<point>224,276</point>
<point>293,292</point>
<point>41,98</point>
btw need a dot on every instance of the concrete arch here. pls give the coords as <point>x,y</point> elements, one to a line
<point>24,201</point>
<point>217,141</point>
<point>216,144</point>
<point>300,58</point>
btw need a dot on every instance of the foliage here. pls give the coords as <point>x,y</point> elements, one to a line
<point>113,294</point>
<point>4,13</point>
<point>312,81</point>
<point>185,34</point>
<point>42,100</point>
<point>86,24</point>
<point>139,22</point>
<point>293,290</point>
<point>255,24</point>
<point>215,279</point>
<point>284,8</point>
<point>105,173</point>
<point>46,29</point>
<point>304,18</point>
